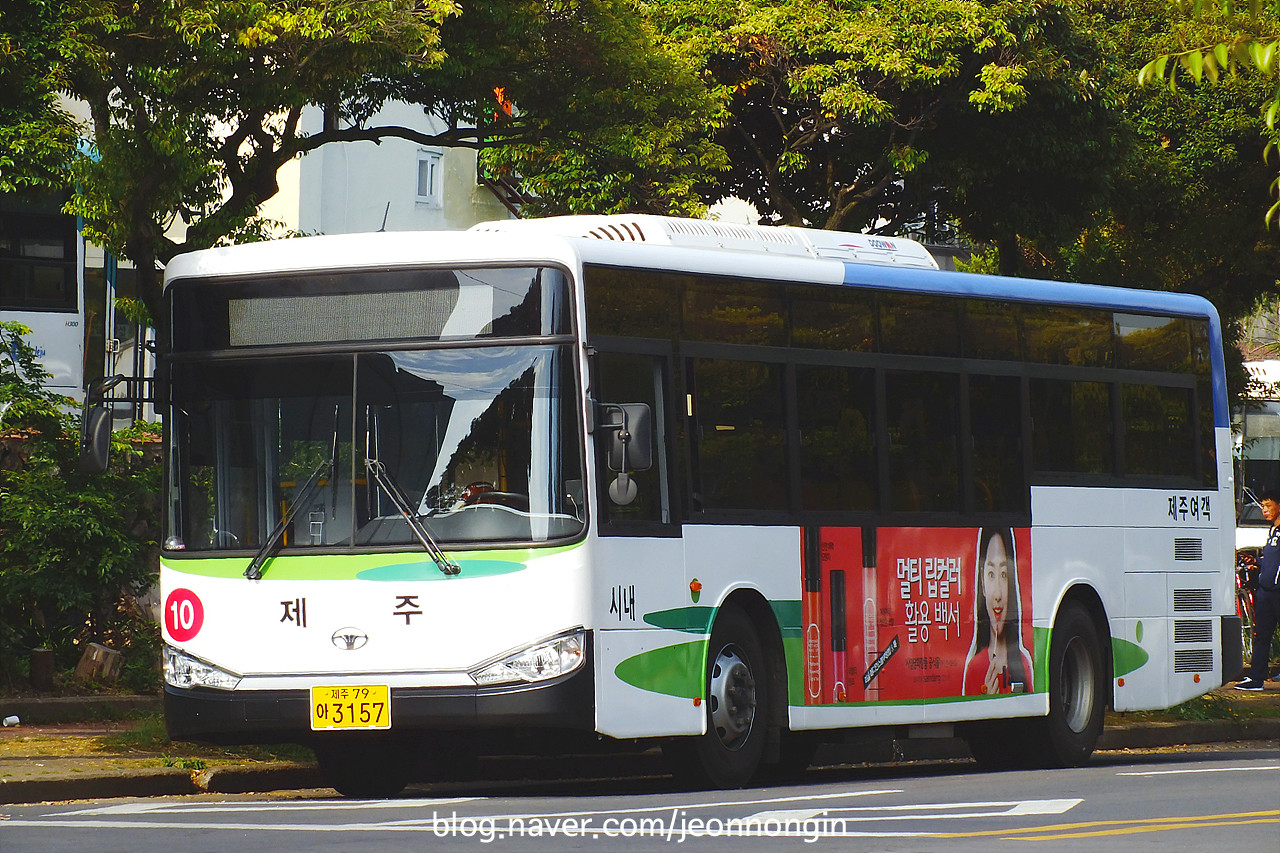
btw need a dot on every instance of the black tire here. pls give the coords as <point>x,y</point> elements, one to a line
<point>1078,677</point>
<point>363,770</point>
<point>728,755</point>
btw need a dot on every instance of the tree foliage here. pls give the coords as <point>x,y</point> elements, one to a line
<point>1228,37</point>
<point>1178,216</point>
<point>37,137</point>
<point>196,104</point>
<point>855,115</point>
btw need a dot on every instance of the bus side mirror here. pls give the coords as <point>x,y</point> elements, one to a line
<point>630,448</point>
<point>95,426</point>
<point>95,440</point>
<point>630,439</point>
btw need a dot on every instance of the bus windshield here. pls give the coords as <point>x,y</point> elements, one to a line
<point>480,442</point>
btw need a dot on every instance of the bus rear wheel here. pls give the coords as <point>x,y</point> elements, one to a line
<point>1077,691</point>
<point>728,755</point>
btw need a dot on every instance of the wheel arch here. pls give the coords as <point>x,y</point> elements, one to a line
<point>1083,594</point>
<point>753,603</point>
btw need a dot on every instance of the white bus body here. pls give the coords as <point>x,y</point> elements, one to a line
<point>762,588</point>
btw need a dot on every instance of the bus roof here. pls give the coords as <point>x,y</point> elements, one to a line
<point>680,244</point>
<point>709,234</point>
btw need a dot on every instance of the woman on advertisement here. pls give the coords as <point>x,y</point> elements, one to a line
<point>997,662</point>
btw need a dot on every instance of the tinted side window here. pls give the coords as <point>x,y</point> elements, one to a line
<point>735,311</point>
<point>919,325</point>
<point>741,458</point>
<point>991,330</point>
<point>1153,343</point>
<point>836,409</point>
<point>995,422</point>
<point>1071,427</point>
<point>923,411</point>
<point>1157,431</point>
<point>1063,335</point>
<point>626,378</point>
<point>632,303</point>
<point>832,318</point>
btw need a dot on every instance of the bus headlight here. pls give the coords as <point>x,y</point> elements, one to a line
<point>183,670</point>
<point>540,662</point>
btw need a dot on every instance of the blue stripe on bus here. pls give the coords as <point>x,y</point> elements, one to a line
<point>1032,290</point>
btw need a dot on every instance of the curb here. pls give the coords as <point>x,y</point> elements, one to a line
<point>161,782</point>
<point>1149,735</point>
<point>280,776</point>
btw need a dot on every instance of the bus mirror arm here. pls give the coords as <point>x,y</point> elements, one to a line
<point>630,446</point>
<point>630,436</point>
<point>95,426</point>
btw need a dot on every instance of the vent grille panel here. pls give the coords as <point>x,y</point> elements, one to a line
<point>1193,601</point>
<point>1188,549</point>
<point>1193,631</point>
<point>1192,660</point>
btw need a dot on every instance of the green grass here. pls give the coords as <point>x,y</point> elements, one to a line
<point>148,734</point>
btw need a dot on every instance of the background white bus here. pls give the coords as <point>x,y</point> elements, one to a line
<point>628,480</point>
<point>40,288</point>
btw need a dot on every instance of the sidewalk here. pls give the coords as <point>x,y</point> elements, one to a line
<point>54,754</point>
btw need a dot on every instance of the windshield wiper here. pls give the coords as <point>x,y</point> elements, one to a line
<point>383,478</point>
<point>254,572</point>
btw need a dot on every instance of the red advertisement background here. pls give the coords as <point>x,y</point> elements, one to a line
<point>903,628</point>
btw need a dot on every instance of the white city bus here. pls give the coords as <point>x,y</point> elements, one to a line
<point>40,289</point>
<point>620,481</point>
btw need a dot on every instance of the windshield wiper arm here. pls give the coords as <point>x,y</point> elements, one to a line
<point>254,572</point>
<point>382,477</point>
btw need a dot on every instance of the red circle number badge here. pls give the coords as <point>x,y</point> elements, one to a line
<point>183,614</point>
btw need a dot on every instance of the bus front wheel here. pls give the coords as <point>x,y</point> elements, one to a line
<point>1077,690</point>
<point>728,755</point>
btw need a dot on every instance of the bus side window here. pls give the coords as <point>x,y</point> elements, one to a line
<point>631,378</point>
<point>995,420</point>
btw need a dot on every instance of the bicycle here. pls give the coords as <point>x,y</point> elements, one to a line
<point>1246,583</point>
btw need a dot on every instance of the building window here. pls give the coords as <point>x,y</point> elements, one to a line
<point>430,177</point>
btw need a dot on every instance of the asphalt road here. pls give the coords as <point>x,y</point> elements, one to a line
<point>1185,800</point>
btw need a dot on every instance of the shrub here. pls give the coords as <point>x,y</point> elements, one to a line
<point>75,549</point>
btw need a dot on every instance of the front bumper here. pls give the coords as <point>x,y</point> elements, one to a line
<point>273,716</point>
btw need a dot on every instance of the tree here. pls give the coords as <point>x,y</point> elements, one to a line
<point>1177,217</point>
<point>851,115</point>
<point>196,103</point>
<point>1229,36</point>
<point>37,138</point>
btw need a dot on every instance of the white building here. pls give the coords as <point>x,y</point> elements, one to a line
<point>395,185</point>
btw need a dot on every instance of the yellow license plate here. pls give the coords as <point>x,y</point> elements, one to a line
<point>359,706</point>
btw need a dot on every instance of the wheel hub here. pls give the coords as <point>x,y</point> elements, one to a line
<point>732,697</point>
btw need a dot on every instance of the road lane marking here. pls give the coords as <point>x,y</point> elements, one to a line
<point>678,807</point>
<point>924,811</point>
<point>811,823</point>
<point>1200,770</point>
<point>1092,829</point>
<point>276,806</point>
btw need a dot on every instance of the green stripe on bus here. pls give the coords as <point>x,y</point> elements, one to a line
<point>375,567</point>
<point>690,620</point>
<point>1127,657</point>
<point>671,670</point>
